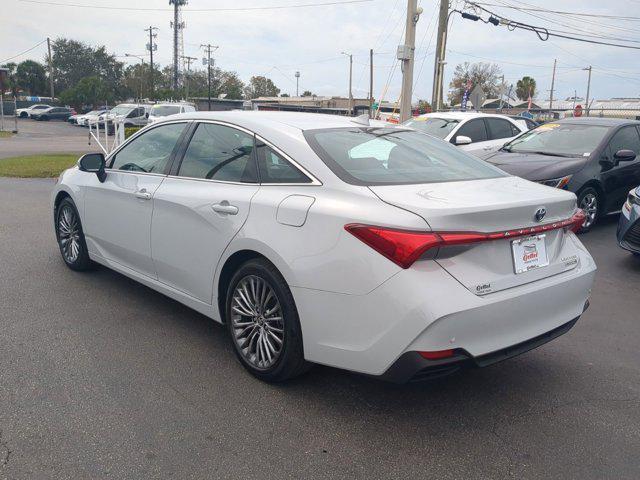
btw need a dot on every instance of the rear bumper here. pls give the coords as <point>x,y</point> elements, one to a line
<point>424,309</point>
<point>412,367</point>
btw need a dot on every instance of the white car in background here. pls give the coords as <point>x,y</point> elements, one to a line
<point>89,118</point>
<point>325,239</point>
<point>26,112</point>
<point>476,133</point>
<point>162,110</point>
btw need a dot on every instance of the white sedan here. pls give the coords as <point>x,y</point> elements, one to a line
<point>323,239</point>
<point>26,112</point>
<point>476,133</point>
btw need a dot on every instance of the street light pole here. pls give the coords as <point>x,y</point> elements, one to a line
<point>588,87</point>
<point>141,70</point>
<point>297,78</point>
<point>350,81</point>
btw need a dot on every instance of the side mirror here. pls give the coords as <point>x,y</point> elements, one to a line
<point>93,163</point>
<point>463,140</point>
<point>625,156</point>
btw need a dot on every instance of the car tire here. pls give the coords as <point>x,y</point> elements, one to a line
<point>44,117</point>
<point>590,201</point>
<point>24,114</point>
<point>70,236</point>
<point>268,344</point>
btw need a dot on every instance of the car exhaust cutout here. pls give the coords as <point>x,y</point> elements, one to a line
<point>404,247</point>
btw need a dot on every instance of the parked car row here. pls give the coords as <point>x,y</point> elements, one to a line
<point>45,112</point>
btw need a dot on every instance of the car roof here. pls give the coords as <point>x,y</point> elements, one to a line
<point>460,115</point>
<point>298,120</point>
<point>605,122</point>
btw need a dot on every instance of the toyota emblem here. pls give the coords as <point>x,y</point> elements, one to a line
<point>540,213</point>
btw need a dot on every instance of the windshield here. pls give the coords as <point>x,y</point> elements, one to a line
<point>164,110</point>
<point>563,139</point>
<point>389,156</point>
<point>121,110</point>
<point>438,127</point>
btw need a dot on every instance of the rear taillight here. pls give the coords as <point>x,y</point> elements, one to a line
<point>404,247</point>
<point>440,354</point>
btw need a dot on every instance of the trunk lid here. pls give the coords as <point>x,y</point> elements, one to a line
<point>490,205</point>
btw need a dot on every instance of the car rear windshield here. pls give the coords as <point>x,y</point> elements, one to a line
<point>561,139</point>
<point>438,127</point>
<point>390,156</point>
<point>164,110</point>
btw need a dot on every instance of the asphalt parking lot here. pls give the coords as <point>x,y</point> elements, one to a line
<point>55,136</point>
<point>103,378</point>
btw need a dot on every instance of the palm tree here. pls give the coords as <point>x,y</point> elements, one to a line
<point>526,86</point>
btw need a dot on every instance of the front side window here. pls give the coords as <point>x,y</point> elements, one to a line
<point>559,139</point>
<point>274,168</point>
<point>149,152</point>
<point>501,128</point>
<point>389,156</point>
<point>217,152</point>
<point>625,139</point>
<point>474,129</point>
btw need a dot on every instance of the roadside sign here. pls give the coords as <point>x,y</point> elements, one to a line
<point>577,112</point>
<point>477,97</point>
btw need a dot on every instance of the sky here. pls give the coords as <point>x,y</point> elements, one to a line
<point>279,42</point>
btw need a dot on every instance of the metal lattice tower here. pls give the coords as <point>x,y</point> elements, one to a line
<point>178,40</point>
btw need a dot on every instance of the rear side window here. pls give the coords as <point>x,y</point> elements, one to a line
<point>474,129</point>
<point>218,152</point>
<point>501,128</point>
<point>274,168</point>
<point>389,156</point>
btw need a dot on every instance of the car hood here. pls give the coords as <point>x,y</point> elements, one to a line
<point>533,166</point>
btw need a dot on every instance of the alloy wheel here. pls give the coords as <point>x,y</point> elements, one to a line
<point>589,204</point>
<point>69,234</point>
<point>256,318</point>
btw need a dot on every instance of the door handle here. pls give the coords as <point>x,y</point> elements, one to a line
<point>143,194</point>
<point>225,208</point>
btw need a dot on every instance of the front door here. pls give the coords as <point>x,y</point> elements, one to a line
<point>118,212</point>
<point>624,175</point>
<point>199,210</point>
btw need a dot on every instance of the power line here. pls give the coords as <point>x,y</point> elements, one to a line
<point>26,51</point>
<point>558,12</point>
<point>230,9</point>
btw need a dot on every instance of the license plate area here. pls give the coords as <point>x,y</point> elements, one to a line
<point>529,253</point>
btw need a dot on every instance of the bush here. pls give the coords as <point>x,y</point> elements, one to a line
<point>130,131</point>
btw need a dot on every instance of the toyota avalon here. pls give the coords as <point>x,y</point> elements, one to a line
<point>330,240</point>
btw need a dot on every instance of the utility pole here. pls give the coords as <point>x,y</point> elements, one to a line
<point>371,83</point>
<point>441,44</point>
<point>297,79</point>
<point>406,55</point>
<point>208,61</point>
<point>186,75</point>
<point>553,82</point>
<point>588,88</point>
<point>502,93</point>
<point>151,46</point>
<point>350,81</point>
<point>50,69</point>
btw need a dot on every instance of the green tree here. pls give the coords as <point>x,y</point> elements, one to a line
<point>89,91</point>
<point>10,82</point>
<point>307,93</point>
<point>424,107</point>
<point>31,77</point>
<point>524,86</point>
<point>73,61</point>
<point>260,86</point>
<point>486,75</point>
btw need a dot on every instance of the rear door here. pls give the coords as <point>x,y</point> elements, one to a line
<point>201,206</point>
<point>118,212</point>
<point>500,132</point>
